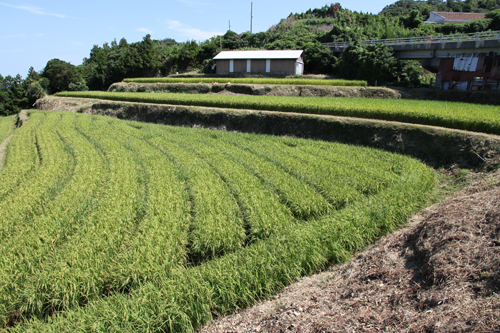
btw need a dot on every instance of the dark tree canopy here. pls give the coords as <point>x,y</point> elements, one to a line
<point>60,75</point>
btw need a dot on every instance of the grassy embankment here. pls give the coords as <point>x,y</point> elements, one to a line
<point>471,117</point>
<point>142,227</point>
<point>318,82</point>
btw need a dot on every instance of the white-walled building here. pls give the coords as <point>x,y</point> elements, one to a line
<point>262,61</point>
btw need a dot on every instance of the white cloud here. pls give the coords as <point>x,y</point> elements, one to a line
<point>190,32</point>
<point>145,30</point>
<point>21,36</point>
<point>33,9</point>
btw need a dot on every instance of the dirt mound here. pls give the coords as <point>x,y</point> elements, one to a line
<point>257,89</point>
<point>439,275</point>
<point>82,105</point>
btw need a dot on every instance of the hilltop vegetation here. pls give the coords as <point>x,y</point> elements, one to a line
<point>404,7</point>
<point>114,61</point>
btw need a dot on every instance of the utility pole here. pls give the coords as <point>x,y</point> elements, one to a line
<point>229,24</point>
<point>251,16</point>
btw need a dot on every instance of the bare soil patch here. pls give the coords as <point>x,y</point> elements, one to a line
<point>81,105</point>
<point>441,274</point>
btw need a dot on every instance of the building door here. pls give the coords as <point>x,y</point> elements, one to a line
<point>299,68</point>
<point>231,66</point>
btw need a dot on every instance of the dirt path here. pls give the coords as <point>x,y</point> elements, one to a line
<point>441,274</point>
<point>3,148</point>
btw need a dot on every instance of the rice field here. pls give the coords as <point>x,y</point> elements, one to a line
<point>471,117</point>
<point>221,80</point>
<point>6,127</point>
<point>109,225</point>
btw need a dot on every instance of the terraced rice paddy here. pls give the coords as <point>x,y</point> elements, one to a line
<point>110,225</point>
<point>314,82</point>
<point>471,117</point>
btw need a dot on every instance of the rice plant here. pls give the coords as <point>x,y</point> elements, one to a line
<point>471,117</point>
<point>123,226</point>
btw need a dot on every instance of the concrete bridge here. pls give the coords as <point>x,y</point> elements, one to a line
<point>433,47</point>
<point>465,61</point>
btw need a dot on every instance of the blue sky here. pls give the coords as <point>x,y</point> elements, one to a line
<point>33,32</point>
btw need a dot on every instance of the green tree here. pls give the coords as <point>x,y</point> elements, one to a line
<point>60,74</point>
<point>374,63</point>
<point>12,95</point>
<point>318,58</point>
<point>149,57</point>
<point>495,19</point>
<point>413,20</point>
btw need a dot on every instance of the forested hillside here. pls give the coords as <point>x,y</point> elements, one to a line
<point>404,7</point>
<point>116,60</point>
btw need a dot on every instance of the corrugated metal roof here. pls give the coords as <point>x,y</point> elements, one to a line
<point>461,16</point>
<point>449,17</point>
<point>259,54</point>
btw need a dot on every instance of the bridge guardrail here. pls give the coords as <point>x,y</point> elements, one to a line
<point>489,35</point>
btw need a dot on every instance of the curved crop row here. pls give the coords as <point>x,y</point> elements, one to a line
<point>157,228</point>
<point>188,298</point>
<point>6,127</point>
<point>31,198</point>
<point>263,212</point>
<point>471,117</point>
<point>62,217</point>
<point>22,157</point>
<point>312,82</point>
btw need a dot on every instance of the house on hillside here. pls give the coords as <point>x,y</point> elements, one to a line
<point>451,17</point>
<point>264,61</point>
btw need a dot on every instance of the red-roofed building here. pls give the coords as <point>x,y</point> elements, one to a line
<point>452,17</point>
